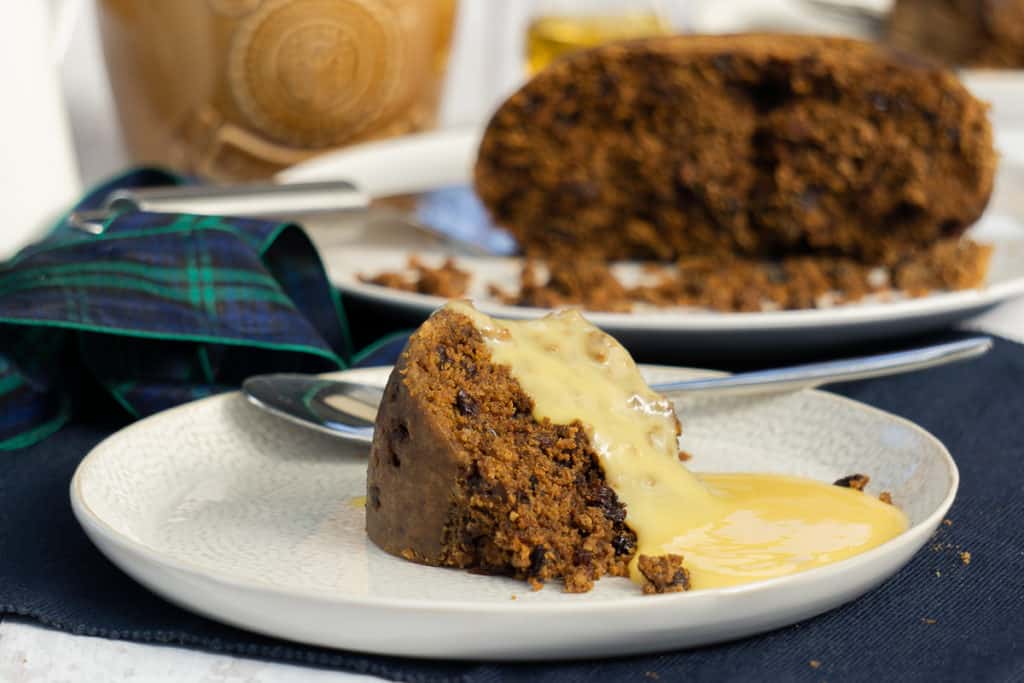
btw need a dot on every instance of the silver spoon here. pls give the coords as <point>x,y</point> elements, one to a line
<point>348,409</point>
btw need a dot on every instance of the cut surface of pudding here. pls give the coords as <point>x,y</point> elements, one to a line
<point>761,146</point>
<point>536,450</point>
<point>752,172</point>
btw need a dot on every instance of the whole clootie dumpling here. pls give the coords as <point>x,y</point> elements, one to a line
<point>760,145</point>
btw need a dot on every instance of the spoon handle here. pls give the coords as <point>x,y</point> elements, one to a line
<point>816,374</point>
<point>348,409</point>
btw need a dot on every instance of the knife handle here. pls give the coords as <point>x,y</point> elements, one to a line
<point>256,200</point>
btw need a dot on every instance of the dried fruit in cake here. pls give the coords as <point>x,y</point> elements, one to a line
<point>758,145</point>
<point>486,452</point>
<point>495,489</point>
<point>535,449</point>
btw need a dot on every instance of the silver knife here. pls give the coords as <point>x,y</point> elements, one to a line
<point>289,201</point>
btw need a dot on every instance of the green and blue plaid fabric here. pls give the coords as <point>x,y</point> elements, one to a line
<point>157,310</point>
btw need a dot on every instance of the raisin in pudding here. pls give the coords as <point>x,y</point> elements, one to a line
<point>759,145</point>
<point>536,450</point>
<point>755,155</point>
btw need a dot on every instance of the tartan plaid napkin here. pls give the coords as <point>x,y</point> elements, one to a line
<point>157,310</point>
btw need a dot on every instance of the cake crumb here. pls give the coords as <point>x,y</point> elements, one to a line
<point>515,597</point>
<point>749,143</point>
<point>530,474</point>
<point>586,282</point>
<point>885,497</point>
<point>684,456</point>
<point>927,620</point>
<point>947,522</point>
<point>663,574</point>
<point>965,557</point>
<point>447,280</point>
<point>713,281</point>
<point>856,482</point>
<point>653,675</point>
<point>814,664</point>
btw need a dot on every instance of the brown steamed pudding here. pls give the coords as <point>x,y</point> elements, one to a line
<point>536,450</point>
<point>751,172</point>
<point>757,145</point>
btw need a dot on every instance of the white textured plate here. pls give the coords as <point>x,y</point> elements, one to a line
<point>247,519</point>
<point>431,160</point>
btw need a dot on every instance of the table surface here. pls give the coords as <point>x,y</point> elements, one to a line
<point>29,652</point>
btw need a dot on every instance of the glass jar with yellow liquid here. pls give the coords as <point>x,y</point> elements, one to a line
<point>559,27</point>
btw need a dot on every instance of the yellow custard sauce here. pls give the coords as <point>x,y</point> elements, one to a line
<point>730,528</point>
<point>774,525</point>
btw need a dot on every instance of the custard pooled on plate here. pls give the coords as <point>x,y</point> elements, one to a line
<point>536,450</point>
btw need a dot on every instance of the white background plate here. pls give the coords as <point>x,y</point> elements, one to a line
<point>431,160</point>
<point>247,519</point>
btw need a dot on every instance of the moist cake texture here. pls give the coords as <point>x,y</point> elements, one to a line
<point>534,449</point>
<point>506,494</point>
<point>757,145</point>
<point>503,487</point>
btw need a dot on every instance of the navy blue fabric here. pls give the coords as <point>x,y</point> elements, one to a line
<point>161,309</point>
<point>937,620</point>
